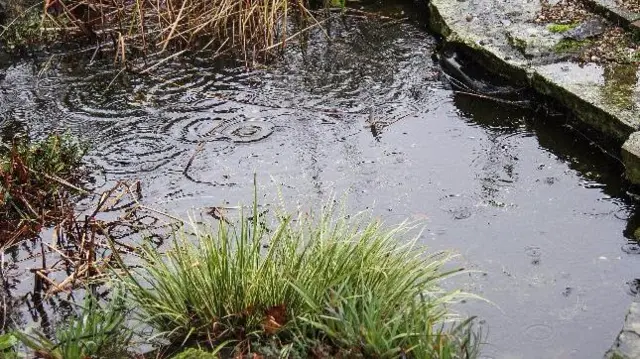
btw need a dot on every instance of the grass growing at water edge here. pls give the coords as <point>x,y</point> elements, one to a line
<point>35,181</point>
<point>96,332</point>
<point>321,286</point>
<point>247,29</point>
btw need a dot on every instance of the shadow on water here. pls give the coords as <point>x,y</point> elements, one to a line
<point>362,109</point>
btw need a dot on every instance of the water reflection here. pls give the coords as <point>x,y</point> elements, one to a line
<point>522,197</point>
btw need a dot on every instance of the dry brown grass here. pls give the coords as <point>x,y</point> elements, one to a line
<point>249,29</point>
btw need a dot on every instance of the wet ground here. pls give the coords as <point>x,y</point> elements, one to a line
<point>539,210</point>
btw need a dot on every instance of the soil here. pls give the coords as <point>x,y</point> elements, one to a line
<point>630,5</point>
<point>613,46</point>
<point>563,12</point>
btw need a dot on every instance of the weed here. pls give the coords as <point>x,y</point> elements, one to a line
<point>35,181</point>
<point>247,29</point>
<point>97,332</point>
<point>348,285</point>
<point>8,342</point>
<point>570,45</point>
<point>193,353</point>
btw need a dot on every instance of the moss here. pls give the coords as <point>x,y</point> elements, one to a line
<point>617,355</point>
<point>558,28</point>
<point>193,353</point>
<point>570,45</point>
<point>619,85</point>
<point>517,43</point>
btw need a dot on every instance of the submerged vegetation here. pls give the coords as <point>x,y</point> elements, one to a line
<point>36,180</point>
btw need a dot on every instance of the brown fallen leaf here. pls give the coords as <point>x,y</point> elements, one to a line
<point>275,318</point>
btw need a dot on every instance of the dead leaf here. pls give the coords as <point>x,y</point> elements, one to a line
<point>275,318</point>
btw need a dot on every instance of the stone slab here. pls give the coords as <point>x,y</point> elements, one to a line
<point>504,38</point>
<point>631,156</point>
<point>614,12</point>
<point>627,344</point>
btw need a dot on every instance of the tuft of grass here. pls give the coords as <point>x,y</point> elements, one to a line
<point>368,325</point>
<point>317,283</point>
<point>247,29</point>
<point>97,332</point>
<point>8,342</point>
<point>35,179</point>
<point>559,28</point>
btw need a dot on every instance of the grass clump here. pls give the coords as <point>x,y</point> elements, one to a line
<point>133,29</point>
<point>560,28</point>
<point>322,286</point>
<point>193,353</point>
<point>8,342</point>
<point>35,180</point>
<point>96,332</point>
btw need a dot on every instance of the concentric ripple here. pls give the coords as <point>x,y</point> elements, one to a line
<point>136,153</point>
<point>96,97</point>
<point>244,131</point>
<point>194,129</point>
<point>184,89</point>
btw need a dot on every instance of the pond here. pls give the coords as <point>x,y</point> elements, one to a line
<point>539,212</point>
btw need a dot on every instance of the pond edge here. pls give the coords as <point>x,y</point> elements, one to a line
<point>493,52</point>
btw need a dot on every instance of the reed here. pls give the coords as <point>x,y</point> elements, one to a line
<point>251,29</point>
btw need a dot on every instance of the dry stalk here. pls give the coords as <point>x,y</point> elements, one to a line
<point>81,242</point>
<point>241,27</point>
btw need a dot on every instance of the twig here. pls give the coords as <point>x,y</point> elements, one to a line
<point>152,67</point>
<point>59,180</point>
<point>318,23</point>
<point>485,97</point>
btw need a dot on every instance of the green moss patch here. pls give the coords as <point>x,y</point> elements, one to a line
<point>559,28</point>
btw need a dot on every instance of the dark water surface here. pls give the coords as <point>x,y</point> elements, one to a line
<point>540,210</point>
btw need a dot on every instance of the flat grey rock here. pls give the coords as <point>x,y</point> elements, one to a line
<point>590,28</point>
<point>604,96</point>
<point>627,345</point>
